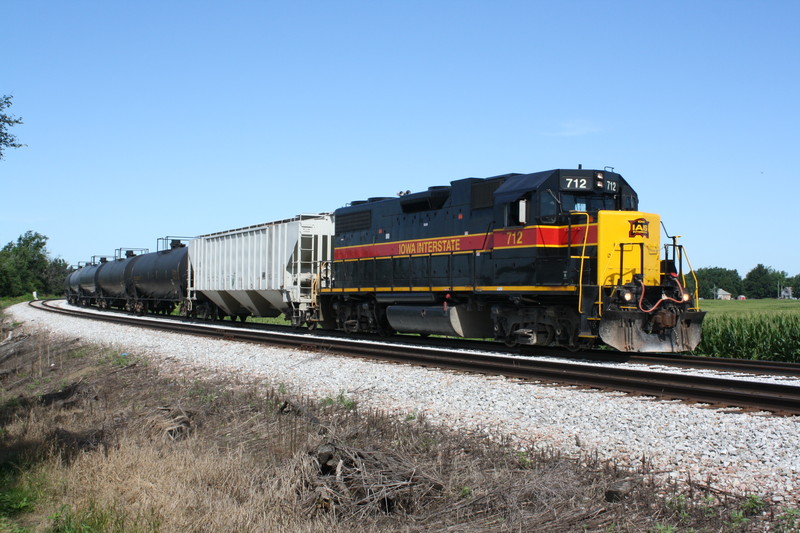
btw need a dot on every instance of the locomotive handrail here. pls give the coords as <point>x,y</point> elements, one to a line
<point>583,257</point>
<point>696,299</point>
<point>679,251</point>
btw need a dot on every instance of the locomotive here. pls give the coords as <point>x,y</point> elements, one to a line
<point>555,258</point>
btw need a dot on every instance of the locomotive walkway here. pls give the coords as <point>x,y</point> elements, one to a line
<point>780,399</point>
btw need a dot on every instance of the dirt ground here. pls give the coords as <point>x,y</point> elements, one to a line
<point>109,441</point>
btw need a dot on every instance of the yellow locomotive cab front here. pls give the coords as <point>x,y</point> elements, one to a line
<point>644,305</point>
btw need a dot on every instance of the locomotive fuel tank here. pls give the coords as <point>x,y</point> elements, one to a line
<point>455,321</point>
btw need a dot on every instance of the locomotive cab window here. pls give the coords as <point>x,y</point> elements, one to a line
<point>548,207</point>
<point>588,203</point>
<point>517,213</point>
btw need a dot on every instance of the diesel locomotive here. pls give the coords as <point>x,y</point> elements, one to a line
<point>556,258</point>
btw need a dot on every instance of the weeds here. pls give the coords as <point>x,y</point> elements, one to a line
<point>78,353</point>
<point>93,517</point>
<point>753,505</point>
<point>121,359</point>
<point>341,400</point>
<point>15,499</point>
<point>203,392</point>
<point>788,521</point>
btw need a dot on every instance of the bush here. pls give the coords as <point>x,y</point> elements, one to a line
<point>25,267</point>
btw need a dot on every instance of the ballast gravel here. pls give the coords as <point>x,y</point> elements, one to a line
<point>742,453</point>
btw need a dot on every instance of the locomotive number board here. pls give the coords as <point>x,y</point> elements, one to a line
<point>583,183</point>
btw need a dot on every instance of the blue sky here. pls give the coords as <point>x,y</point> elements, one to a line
<point>146,119</point>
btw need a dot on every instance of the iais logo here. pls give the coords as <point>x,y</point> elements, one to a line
<point>639,227</point>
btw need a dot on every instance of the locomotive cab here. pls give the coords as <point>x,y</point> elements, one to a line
<point>627,296</point>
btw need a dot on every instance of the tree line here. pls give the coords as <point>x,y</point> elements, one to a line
<point>761,282</point>
<point>25,267</point>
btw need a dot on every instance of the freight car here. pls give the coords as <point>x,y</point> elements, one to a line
<point>150,282</point>
<point>561,257</point>
<point>263,270</point>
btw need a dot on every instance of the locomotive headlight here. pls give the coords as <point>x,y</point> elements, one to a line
<point>626,295</point>
<point>599,180</point>
<point>686,296</point>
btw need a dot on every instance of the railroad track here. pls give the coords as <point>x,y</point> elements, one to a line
<point>779,399</point>
<point>720,364</point>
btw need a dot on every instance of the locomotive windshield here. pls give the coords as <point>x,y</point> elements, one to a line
<point>552,204</point>
<point>592,204</point>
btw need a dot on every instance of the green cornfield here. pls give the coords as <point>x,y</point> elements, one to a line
<point>760,334</point>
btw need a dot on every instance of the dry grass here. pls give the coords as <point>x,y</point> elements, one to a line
<point>103,442</point>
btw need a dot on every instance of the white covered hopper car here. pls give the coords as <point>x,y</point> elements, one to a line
<point>262,270</point>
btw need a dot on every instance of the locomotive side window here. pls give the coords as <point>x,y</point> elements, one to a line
<point>548,207</point>
<point>517,213</point>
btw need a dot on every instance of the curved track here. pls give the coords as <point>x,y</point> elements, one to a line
<point>718,391</point>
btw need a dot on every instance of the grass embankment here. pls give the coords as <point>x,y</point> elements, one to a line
<point>752,329</point>
<point>97,440</point>
<point>7,301</point>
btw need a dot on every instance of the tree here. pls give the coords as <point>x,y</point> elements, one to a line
<point>25,267</point>
<point>6,121</point>
<point>718,278</point>
<point>763,282</point>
